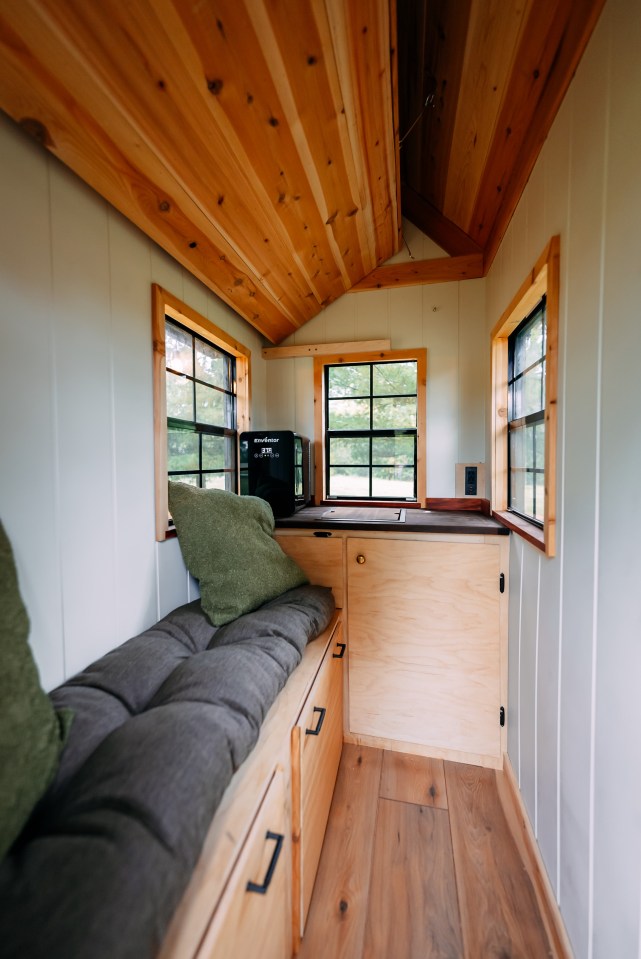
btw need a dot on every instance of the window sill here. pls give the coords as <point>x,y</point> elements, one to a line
<point>529,531</point>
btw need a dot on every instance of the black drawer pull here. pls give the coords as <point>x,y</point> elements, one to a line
<point>254,886</point>
<point>342,651</point>
<point>324,533</point>
<point>319,724</point>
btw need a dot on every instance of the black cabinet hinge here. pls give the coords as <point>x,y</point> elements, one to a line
<point>502,716</point>
<point>502,583</point>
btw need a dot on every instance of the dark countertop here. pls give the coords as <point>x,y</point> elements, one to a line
<point>416,521</point>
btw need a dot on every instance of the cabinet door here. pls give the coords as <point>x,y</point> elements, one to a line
<point>424,635</point>
<point>321,557</point>
<point>254,917</point>
<point>317,742</point>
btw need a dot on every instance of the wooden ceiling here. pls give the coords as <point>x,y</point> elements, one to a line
<point>257,141</point>
<point>480,82</point>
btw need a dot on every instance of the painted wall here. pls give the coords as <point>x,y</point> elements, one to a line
<point>575,621</point>
<point>76,417</point>
<point>447,318</point>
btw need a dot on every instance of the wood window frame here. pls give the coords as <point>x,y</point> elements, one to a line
<point>166,304</point>
<point>382,356</point>
<point>543,280</point>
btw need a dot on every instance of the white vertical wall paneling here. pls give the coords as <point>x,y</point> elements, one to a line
<point>527,676</point>
<point>372,314</point>
<point>514,654</point>
<point>28,428</point>
<point>440,336</point>
<point>173,578</point>
<point>337,323</point>
<point>281,388</point>
<point>406,322</point>
<point>617,823</point>
<point>303,421</point>
<point>474,365</point>
<point>547,698</point>
<point>84,392</point>
<point>132,415</point>
<point>583,256</point>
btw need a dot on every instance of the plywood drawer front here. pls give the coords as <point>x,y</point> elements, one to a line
<point>320,738</point>
<point>424,664</point>
<point>321,557</point>
<point>249,922</point>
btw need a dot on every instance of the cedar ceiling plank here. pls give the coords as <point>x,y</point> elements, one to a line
<point>445,269</point>
<point>38,100</point>
<point>368,33</point>
<point>446,34</point>
<point>312,102</point>
<point>260,117</point>
<point>495,27</point>
<point>512,174</point>
<point>428,219</point>
<point>148,69</point>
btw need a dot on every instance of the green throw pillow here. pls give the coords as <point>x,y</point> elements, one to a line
<point>31,732</point>
<point>226,542</point>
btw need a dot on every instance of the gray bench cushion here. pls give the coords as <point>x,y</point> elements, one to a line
<point>105,860</point>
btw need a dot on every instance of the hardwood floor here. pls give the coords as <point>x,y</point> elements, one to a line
<point>419,863</point>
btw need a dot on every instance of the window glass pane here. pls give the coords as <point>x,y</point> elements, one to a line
<point>214,452</point>
<point>178,349</point>
<point>517,490</point>
<point>182,450</point>
<point>348,415</point>
<point>540,496</point>
<point>345,481</point>
<point>211,365</point>
<point>393,450</point>
<point>393,482</point>
<point>539,433</point>
<point>394,413</point>
<point>517,447</point>
<point>180,397</point>
<point>348,451</point>
<point>349,381</point>
<point>191,480</point>
<point>217,480</point>
<point>530,344</point>
<point>528,493</point>
<point>210,406</point>
<point>394,378</point>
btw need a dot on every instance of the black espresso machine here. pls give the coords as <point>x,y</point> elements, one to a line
<point>276,465</point>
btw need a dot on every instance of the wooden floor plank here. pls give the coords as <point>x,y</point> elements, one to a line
<point>413,909</point>
<point>414,779</point>
<point>336,921</point>
<point>499,913</point>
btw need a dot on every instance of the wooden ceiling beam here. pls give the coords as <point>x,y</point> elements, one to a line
<point>445,269</point>
<point>427,218</point>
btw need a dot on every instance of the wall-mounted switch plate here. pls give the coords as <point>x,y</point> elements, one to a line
<point>470,480</point>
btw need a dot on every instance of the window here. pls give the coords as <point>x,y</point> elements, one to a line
<point>201,410</point>
<point>524,397</point>
<point>201,401</point>
<point>372,426</point>
<point>526,416</point>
